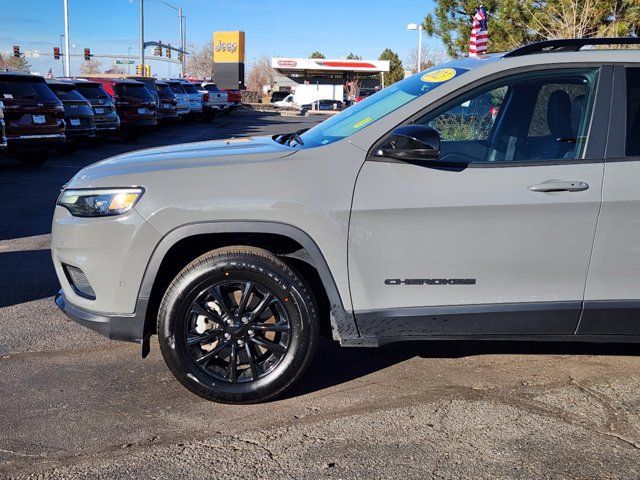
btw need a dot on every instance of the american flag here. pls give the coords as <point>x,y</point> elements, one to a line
<point>49,74</point>
<point>479,33</point>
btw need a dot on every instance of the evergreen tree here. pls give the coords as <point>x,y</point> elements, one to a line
<point>513,23</point>
<point>396,70</point>
<point>317,55</point>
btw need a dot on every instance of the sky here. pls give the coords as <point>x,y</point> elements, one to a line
<point>274,28</point>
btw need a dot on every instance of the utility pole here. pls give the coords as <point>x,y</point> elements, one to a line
<point>64,73</point>
<point>129,65</point>
<point>141,35</point>
<point>184,46</point>
<point>181,43</point>
<point>67,50</point>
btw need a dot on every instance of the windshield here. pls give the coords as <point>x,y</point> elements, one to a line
<point>20,88</point>
<point>66,93</point>
<point>93,91</point>
<point>134,91</point>
<point>373,108</point>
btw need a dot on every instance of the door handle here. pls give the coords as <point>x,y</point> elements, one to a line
<point>560,186</point>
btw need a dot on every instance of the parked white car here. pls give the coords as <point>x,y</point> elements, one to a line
<point>218,100</point>
<point>195,97</point>
<point>181,95</point>
<point>286,102</point>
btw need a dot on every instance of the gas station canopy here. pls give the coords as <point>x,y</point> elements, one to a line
<point>323,66</point>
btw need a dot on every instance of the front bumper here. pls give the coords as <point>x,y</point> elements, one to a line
<point>129,328</point>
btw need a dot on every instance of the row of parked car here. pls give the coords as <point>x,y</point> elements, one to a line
<point>38,115</point>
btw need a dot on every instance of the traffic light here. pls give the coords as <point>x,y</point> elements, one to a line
<point>56,53</point>
<point>169,51</point>
<point>147,70</point>
<point>16,51</point>
<point>180,57</point>
<point>87,54</point>
<point>157,50</point>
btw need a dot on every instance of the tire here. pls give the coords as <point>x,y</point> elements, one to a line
<point>274,336</point>
<point>32,159</point>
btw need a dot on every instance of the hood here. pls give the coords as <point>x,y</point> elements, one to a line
<point>183,156</point>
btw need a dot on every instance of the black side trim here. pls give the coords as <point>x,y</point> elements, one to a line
<point>379,341</point>
<point>610,317</point>
<point>116,327</point>
<point>543,318</point>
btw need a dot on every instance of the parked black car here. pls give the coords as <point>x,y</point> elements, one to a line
<point>34,116</point>
<point>78,114</point>
<point>104,110</point>
<point>168,103</point>
<point>324,105</point>
<point>3,138</point>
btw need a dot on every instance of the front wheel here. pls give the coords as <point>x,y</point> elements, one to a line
<point>237,325</point>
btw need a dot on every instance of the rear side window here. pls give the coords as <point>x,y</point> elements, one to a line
<point>93,92</point>
<point>65,93</point>
<point>25,89</point>
<point>133,91</point>
<point>189,88</point>
<point>176,88</point>
<point>211,88</point>
<point>633,112</point>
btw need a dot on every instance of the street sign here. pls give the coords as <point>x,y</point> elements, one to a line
<point>124,62</point>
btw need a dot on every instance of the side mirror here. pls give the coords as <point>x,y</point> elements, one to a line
<point>412,142</point>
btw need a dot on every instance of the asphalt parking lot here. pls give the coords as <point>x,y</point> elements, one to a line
<point>75,405</point>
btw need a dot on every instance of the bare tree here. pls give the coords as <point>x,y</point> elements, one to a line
<point>116,69</point>
<point>90,66</point>
<point>260,74</point>
<point>200,60</point>
<point>430,57</point>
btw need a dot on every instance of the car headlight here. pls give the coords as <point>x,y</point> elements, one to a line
<point>99,202</point>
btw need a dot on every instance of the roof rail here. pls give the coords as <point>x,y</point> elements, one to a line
<point>569,45</point>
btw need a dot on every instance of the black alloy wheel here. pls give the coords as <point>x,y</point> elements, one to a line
<point>237,325</point>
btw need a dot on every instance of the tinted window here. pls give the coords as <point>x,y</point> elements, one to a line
<point>633,111</point>
<point>211,88</point>
<point>133,91</point>
<point>177,88</point>
<point>25,88</point>
<point>189,88</point>
<point>165,91</point>
<point>66,93</point>
<point>93,92</point>
<point>531,117</point>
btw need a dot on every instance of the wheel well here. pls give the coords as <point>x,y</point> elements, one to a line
<point>190,248</point>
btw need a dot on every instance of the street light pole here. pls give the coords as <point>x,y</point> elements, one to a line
<point>141,36</point>
<point>415,26</point>
<point>67,50</point>
<point>128,64</point>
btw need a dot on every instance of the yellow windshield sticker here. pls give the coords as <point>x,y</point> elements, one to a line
<point>440,75</point>
<point>362,122</point>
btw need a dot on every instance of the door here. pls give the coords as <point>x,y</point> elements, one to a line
<point>612,294</point>
<point>500,245</point>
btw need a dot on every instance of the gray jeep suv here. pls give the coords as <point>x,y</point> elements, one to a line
<point>489,198</point>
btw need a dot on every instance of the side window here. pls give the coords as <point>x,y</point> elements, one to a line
<point>633,112</point>
<point>526,118</point>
